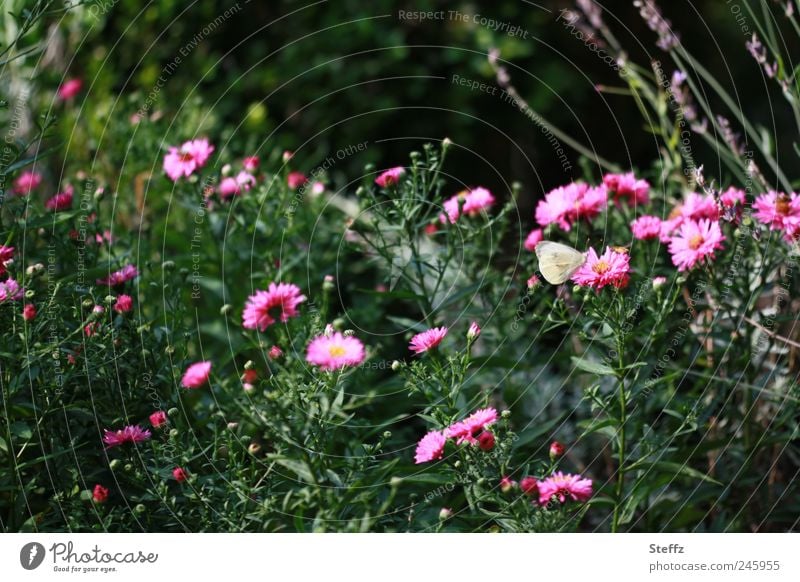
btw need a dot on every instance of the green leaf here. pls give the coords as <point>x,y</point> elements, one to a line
<point>592,367</point>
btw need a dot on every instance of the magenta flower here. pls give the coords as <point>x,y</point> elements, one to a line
<point>123,304</point>
<point>430,447</point>
<point>611,268</point>
<point>470,202</point>
<point>534,238</point>
<point>563,486</point>
<point>471,427</point>
<point>695,242</point>
<point>390,176</point>
<point>732,196</point>
<point>187,159</point>
<point>158,419</point>
<point>335,351</point>
<point>427,340</point>
<point>61,201</point>
<point>295,179</point>
<point>264,308</point>
<point>69,89</point>
<point>779,212</point>
<point>567,204</point>
<point>196,375</point>
<point>116,278</point>
<point>10,290</point>
<point>129,434</point>
<point>628,187</point>
<point>26,182</point>
<point>250,163</point>
<point>646,227</point>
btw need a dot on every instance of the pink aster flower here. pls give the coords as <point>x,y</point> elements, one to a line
<point>567,204</point>
<point>116,278</point>
<point>778,211</point>
<point>26,182</point>
<point>628,187</point>
<point>264,308</point>
<point>646,227</point>
<point>296,179</point>
<point>69,89</point>
<point>471,427</point>
<point>563,486</point>
<point>430,447</point>
<point>129,434</point>
<point>234,186</point>
<point>427,340</point>
<point>61,201</point>
<point>196,375</point>
<point>470,202</point>
<point>335,351</point>
<point>695,207</point>
<point>534,238</point>
<point>10,290</point>
<point>390,177</point>
<point>187,159</point>
<point>611,268</point>
<point>732,196</point>
<point>694,242</point>
<point>123,304</point>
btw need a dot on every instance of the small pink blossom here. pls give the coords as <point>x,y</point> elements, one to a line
<point>26,182</point>
<point>390,177</point>
<point>646,227</point>
<point>69,89</point>
<point>196,375</point>
<point>611,268</point>
<point>61,201</point>
<point>778,211</point>
<point>278,302</point>
<point>507,484</point>
<point>628,187</point>
<point>486,441</point>
<point>335,351</point>
<point>10,290</point>
<point>562,487</point>
<point>117,278</point>
<point>158,419</point>
<point>187,159</point>
<point>29,312</point>
<point>533,282</point>
<point>469,202</point>
<point>275,352</point>
<point>567,204</point>
<point>529,486</point>
<point>123,304</point>
<point>474,331</point>
<point>250,163</point>
<point>468,429</point>
<point>695,242</point>
<point>295,179</point>
<point>430,447</point>
<point>534,238</point>
<point>180,474</point>
<point>427,340</point>
<point>129,434</point>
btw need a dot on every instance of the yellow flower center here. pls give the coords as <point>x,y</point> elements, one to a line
<point>695,242</point>
<point>601,267</point>
<point>336,351</point>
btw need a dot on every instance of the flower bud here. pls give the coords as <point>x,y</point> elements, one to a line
<point>473,332</point>
<point>506,484</point>
<point>274,353</point>
<point>115,465</point>
<point>486,441</point>
<point>225,309</point>
<point>529,486</point>
<point>396,365</point>
<point>445,513</point>
<point>173,412</point>
<point>556,450</point>
<point>254,448</point>
<point>180,474</point>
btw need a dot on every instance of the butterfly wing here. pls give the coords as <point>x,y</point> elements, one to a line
<point>558,262</point>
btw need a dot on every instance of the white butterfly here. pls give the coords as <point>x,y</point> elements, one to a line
<point>558,262</point>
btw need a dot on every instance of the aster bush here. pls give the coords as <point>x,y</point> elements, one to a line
<point>206,331</point>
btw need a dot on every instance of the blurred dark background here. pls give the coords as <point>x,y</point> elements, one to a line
<point>317,77</point>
